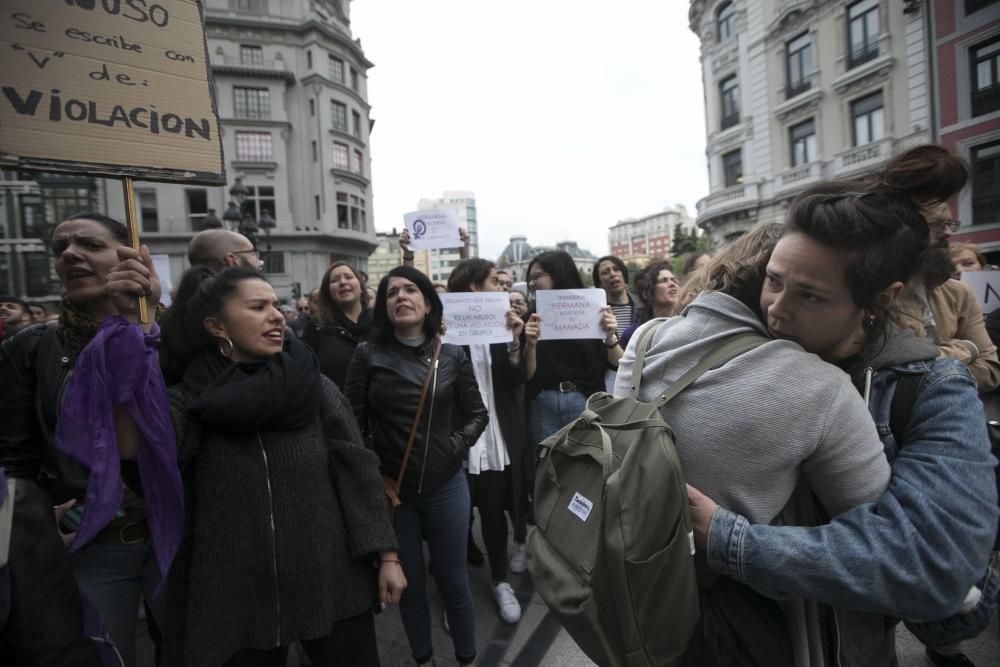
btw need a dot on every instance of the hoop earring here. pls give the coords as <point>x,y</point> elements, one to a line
<point>870,322</point>
<point>222,347</point>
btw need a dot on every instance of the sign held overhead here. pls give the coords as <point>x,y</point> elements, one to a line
<point>109,87</point>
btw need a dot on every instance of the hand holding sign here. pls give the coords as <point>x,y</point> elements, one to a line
<point>433,228</point>
<point>571,314</point>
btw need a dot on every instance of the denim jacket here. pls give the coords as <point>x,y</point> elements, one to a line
<point>917,551</point>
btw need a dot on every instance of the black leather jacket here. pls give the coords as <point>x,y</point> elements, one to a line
<point>383,385</point>
<point>34,371</point>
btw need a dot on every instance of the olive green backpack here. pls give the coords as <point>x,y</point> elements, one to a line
<point>612,553</point>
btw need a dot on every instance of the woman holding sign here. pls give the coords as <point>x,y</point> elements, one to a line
<point>495,463</point>
<point>561,374</point>
<point>417,401</point>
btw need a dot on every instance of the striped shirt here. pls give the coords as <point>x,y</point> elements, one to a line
<point>623,315</point>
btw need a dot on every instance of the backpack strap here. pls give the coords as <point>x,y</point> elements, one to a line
<point>641,348</point>
<point>731,347</point>
<point>901,408</point>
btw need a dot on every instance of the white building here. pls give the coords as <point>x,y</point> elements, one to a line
<point>639,240</point>
<point>291,88</point>
<point>797,91</point>
<point>462,202</point>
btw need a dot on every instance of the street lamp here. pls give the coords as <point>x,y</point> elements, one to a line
<point>232,215</point>
<point>211,220</point>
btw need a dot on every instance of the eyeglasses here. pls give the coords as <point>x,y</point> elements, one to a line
<point>252,251</point>
<point>951,225</point>
<point>533,278</point>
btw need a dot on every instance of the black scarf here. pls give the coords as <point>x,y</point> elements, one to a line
<point>282,393</point>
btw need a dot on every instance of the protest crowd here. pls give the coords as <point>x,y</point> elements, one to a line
<point>257,475</point>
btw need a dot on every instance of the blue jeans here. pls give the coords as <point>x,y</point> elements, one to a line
<point>113,577</point>
<point>551,410</point>
<point>441,519</point>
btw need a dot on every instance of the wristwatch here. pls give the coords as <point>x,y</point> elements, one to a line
<point>612,345</point>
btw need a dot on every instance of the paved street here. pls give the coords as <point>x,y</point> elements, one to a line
<point>539,640</point>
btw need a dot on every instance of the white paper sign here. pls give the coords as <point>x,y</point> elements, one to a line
<point>161,264</point>
<point>474,318</point>
<point>570,313</point>
<point>433,228</point>
<point>986,285</point>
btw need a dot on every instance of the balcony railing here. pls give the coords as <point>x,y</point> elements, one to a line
<point>798,177</point>
<point>986,100</point>
<point>236,61</point>
<point>862,54</point>
<point>729,120</point>
<point>862,157</point>
<point>733,198</point>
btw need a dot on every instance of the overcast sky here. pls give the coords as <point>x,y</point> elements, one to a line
<point>563,116</point>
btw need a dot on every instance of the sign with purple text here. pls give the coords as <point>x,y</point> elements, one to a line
<point>109,87</point>
<point>570,313</point>
<point>474,318</point>
<point>433,228</point>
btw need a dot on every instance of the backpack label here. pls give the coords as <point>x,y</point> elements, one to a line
<point>580,506</point>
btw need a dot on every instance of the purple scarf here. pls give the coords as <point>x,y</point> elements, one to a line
<point>120,366</point>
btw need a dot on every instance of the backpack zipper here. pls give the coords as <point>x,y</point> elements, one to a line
<point>274,541</point>
<point>430,419</point>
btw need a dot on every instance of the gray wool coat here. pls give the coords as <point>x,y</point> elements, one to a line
<point>239,583</point>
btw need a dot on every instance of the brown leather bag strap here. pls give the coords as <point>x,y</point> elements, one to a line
<point>420,408</point>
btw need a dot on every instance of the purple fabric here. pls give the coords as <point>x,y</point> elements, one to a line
<point>120,366</point>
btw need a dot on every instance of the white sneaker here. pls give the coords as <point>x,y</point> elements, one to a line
<point>519,561</point>
<point>507,604</point>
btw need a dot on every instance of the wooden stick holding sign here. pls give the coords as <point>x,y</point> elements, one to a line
<point>133,236</point>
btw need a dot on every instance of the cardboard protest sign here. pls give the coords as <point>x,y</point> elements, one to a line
<point>474,318</point>
<point>986,285</point>
<point>570,313</point>
<point>433,228</point>
<point>109,87</point>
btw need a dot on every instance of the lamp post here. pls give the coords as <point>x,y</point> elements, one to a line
<point>211,220</point>
<point>239,216</point>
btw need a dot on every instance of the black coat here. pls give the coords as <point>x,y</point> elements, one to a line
<point>383,385</point>
<point>334,345</point>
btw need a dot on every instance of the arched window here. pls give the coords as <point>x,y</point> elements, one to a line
<point>724,18</point>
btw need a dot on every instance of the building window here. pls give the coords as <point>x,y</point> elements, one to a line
<point>862,32</point>
<point>254,146</point>
<point>867,119</point>
<point>729,92</point>
<point>312,107</point>
<point>341,158</point>
<point>358,166</point>
<point>309,59</point>
<point>38,272</point>
<point>315,152</point>
<point>975,5</point>
<point>148,216</point>
<point>248,6</point>
<point>260,198</point>
<point>342,213</point>
<point>985,59</point>
<point>986,184</point>
<point>732,168</point>
<point>339,116</point>
<point>356,124</point>
<point>802,138</point>
<point>337,70</point>
<point>355,214</point>
<point>274,262</point>
<point>354,79</point>
<point>32,217</point>
<point>724,21</point>
<point>197,207</point>
<point>252,103</point>
<point>62,197</point>
<point>799,64</point>
<point>251,55</point>
<point>316,203</point>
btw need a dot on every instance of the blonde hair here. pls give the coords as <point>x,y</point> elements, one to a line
<point>737,269</point>
<point>957,247</point>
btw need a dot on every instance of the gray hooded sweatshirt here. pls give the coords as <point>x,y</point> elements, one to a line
<point>747,432</point>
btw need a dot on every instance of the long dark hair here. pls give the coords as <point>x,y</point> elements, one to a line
<point>201,293</point>
<point>328,308</point>
<point>382,331</point>
<point>645,287</point>
<point>469,272</point>
<point>560,266</point>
